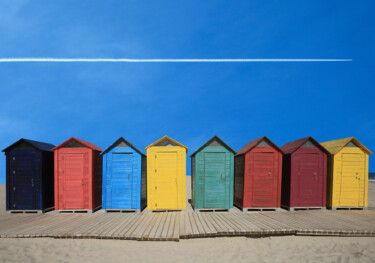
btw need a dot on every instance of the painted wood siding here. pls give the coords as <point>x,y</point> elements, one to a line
<point>348,179</point>
<point>166,177</point>
<point>77,179</point>
<point>122,179</point>
<point>308,178</point>
<point>263,167</point>
<point>239,172</point>
<point>29,179</point>
<point>213,178</point>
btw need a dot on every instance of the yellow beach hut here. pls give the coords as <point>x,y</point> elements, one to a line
<point>166,175</point>
<point>347,185</point>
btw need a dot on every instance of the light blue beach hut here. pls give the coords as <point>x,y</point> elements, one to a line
<point>124,177</point>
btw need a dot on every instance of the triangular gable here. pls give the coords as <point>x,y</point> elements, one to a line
<point>260,142</point>
<point>82,142</point>
<point>41,146</point>
<point>121,142</point>
<point>214,141</point>
<point>293,146</point>
<point>167,141</point>
<point>336,145</point>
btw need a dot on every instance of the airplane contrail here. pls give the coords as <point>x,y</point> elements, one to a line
<point>177,60</point>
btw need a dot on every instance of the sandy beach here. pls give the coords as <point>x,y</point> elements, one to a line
<point>237,249</point>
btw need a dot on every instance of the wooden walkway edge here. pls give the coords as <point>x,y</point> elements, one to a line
<point>173,226</point>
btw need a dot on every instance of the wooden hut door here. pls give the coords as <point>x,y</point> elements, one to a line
<point>264,180</point>
<point>352,181</point>
<point>165,176</point>
<point>121,180</point>
<point>74,175</point>
<point>23,179</point>
<point>216,185</point>
<point>310,180</point>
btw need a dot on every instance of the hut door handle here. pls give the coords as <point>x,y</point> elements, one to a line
<point>221,176</point>
<point>82,183</point>
<point>128,177</point>
<point>269,175</point>
<point>315,176</point>
<point>32,182</point>
<point>14,188</point>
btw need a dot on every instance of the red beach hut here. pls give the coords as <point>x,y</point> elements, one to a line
<point>257,176</point>
<point>78,176</point>
<point>304,174</point>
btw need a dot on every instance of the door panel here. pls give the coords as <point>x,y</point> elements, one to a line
<point>121,180</point>
<point>264,180</point>
<point>74,174</point>
<point>216,192</point>
<point>352,180</point>
<point>166,180</point>
<point>310,180</point>
<point>22,180</point>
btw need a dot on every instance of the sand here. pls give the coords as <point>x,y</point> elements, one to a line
<point>234,249</point>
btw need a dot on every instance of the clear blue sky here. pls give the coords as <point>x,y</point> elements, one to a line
<point>189,102</point>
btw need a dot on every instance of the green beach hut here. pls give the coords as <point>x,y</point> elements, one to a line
<point>212,167</point>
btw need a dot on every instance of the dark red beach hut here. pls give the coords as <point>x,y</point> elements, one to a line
<point>257,175</point>
<point>304,174</point>
<point>78,176</point>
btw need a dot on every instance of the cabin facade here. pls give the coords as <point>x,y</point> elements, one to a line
<point>304,181</point>
<point>212,168</point>
<point>347,173</point>
<point>78,176</point>
<point>124,177</point>
<point>258,175</point>
<point>166,175</point>
<point>29,176</point>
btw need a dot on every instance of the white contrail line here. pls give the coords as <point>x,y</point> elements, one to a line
<point>159,60</point>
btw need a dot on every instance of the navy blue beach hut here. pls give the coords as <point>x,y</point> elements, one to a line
<point>29,176</point>
<point>124,177</point>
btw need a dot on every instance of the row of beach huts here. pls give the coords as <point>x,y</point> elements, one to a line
<point>79,176</point>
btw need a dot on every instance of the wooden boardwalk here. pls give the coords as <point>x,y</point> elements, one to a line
<point>177,225</point>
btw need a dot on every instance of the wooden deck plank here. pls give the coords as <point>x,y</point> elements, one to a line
<point>193,224</point>
<point>171,226</point>
<point>159,230</point>
<point>198,223</point>
<point>220,228</point>
<point>150,226</point>
<point>137,234</point>
<point>164,233</point>
<point>43,230</point>
<point>151,235</point>
<point>133,226</point>
<point>123,224</point>
<point>176,228</point>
